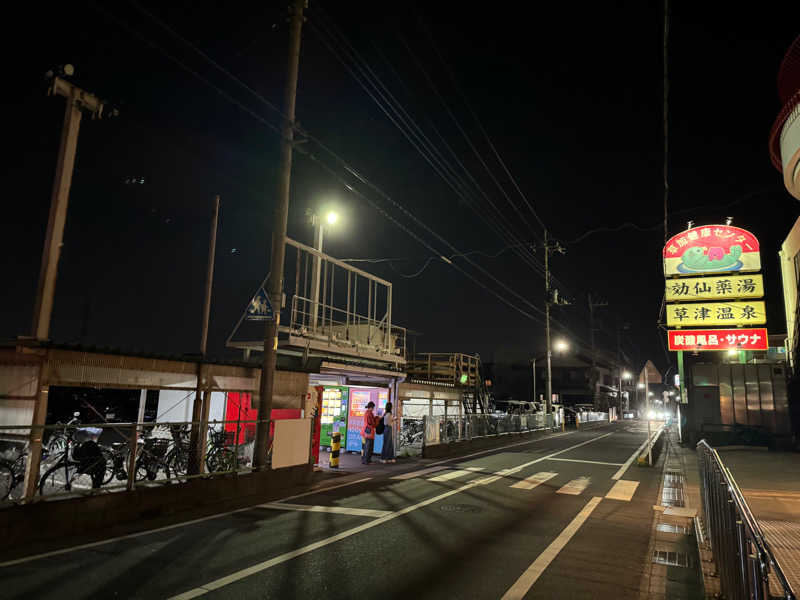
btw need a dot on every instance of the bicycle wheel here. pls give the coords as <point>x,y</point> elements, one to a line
<point>108,455</point>
<point>220,459</point>
<point>6,480</point>
<point>62,478</point>
<point>179,461</point>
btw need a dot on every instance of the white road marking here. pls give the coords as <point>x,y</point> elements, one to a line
<point>267,564</point>
<point>591,462</point>
<point>538,566</point>
<point>534,480</point>
<point>618,475</point>
<point>129,536</point>
<point>418,473</point>
<point>324,489</point>
<point>342,510</point>
<point>623,490</point>
<point>455,474</point>
<point>575,487</point>
<point>263,566</point>
<point>549,437</point>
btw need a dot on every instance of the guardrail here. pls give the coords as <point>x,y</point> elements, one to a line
<point>442,430</point>
<point>84,459</point>
<point>743,556</point>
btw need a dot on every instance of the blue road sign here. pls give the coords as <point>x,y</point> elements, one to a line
<point>260,308</point>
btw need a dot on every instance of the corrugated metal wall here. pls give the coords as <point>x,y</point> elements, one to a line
<point>750,394</point>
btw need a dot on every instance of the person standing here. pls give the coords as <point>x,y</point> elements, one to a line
<point>368,432</point>
<point>387,451</point>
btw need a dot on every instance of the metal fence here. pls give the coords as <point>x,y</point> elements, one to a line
<point>442,430</point>
<point>589,417</point>
<point>83,459</point>
<point>743,556</point>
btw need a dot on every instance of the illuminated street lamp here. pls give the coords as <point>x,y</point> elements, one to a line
<point>561,346</point>
<point>331,218</point>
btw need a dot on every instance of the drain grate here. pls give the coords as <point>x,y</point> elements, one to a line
<point>672,528</point>
<point>673,479</point>
<point>672,496</point>
<point>671,559</point>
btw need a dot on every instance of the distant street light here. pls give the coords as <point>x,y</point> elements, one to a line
<point>626,375</point>
<point>640,385</point>
<point>332,217</point>
<point>561,346</point>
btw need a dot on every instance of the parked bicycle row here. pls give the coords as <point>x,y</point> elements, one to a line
<point>81,458</point>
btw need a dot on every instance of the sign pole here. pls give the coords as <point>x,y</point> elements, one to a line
<point>682,381</point>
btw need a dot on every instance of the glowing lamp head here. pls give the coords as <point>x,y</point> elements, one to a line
<point>561,346</point>
<point>332,218</point>
<point>626,375</point>
<point>733,352</point>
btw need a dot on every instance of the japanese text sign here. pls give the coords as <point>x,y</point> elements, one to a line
<point>711,249</point>
<point>715,288</point>
<point>718,339</point>
<point>716,313</point>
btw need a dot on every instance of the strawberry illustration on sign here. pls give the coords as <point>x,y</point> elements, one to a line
<point>711,249</point>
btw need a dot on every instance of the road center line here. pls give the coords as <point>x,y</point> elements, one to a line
<point>341,510</point>
<point>263,566</point>
<point>538,566</point>
<point>591,462</point>
<point>618,475</point>
<point>267,564</point>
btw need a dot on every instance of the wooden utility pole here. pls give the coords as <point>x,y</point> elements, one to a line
<point>77,101</point>
<point>550,297</point>
<point>201,403</point>
<point>592,306</point>
<point>275,282</point>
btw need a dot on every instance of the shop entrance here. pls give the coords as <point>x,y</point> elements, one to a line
<point>343,409</point>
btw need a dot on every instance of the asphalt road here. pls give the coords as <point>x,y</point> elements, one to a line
<point>530,520</point>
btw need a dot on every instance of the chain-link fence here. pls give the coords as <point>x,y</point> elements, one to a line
<point>442,430</point>
<point>743,556</point>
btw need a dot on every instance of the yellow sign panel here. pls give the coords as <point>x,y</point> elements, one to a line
<point>715,288</point>
<point>716,313</point>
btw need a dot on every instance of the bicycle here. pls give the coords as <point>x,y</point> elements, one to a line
<point>164,454</point>
<point>219,457</point>
<point>81,465</point>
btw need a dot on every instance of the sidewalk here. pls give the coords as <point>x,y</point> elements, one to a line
<point>770,482</point>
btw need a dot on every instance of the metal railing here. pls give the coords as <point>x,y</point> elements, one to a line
<point>84,459</point>
<point>442,430</point>
<point>590,417</point>
<point>343,328</point>
<point>743,556</point>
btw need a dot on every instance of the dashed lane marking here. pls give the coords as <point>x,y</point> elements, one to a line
<point>457,473</point>
<point>623,490</point>
<point>575,487</point>
<point>420,472</point>
<point>534,480</point>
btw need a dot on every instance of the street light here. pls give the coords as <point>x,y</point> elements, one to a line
<point>331,218</point>
<point>560,346</point>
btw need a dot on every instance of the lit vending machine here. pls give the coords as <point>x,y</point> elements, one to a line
<point>334,411</point>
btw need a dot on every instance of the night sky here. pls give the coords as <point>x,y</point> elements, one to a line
<point>570,96</point>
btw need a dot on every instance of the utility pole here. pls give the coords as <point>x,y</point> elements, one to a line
<point>592,306</point>
<point>275,282</point>
<point>201,399</point>
<point>551,297</point>
<point>77,101</point>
